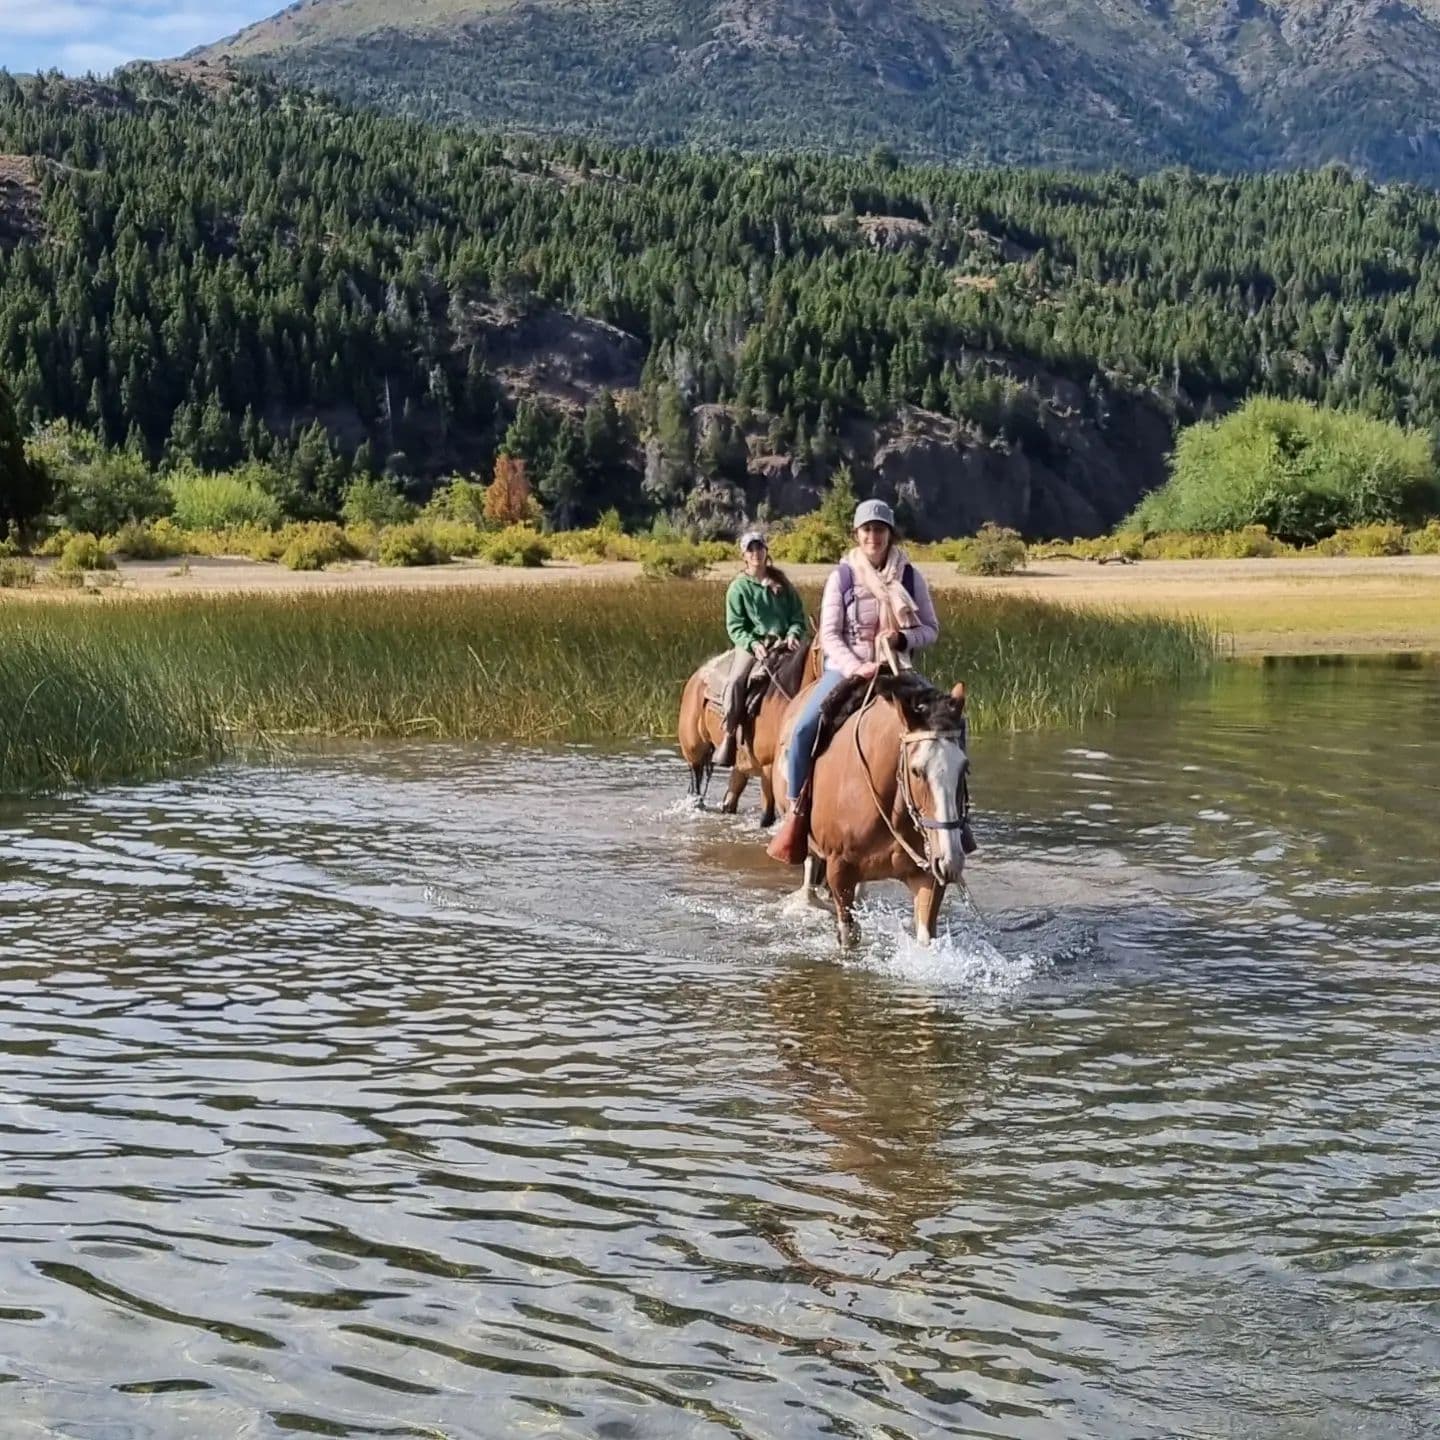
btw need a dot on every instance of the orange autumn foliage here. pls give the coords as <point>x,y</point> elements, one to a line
<point>507,497</point>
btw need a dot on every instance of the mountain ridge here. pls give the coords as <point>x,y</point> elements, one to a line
<point>1142,84</point>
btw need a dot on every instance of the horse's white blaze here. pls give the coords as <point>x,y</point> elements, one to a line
<point>943,764</point>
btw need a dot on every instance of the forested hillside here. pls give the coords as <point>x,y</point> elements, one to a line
<point>256,272</point>
<point>1219,84</point>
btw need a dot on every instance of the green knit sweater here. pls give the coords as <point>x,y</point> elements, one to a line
<point>753,611</point>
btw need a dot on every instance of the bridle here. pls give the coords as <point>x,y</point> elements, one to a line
<point>927,827</point>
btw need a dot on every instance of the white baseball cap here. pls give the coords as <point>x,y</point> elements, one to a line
<point>873,511</point>
<point>751,537</point>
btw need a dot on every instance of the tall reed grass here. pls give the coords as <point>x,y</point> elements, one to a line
<point>135,687</point>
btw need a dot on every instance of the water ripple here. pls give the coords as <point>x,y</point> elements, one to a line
<point>342,1096</point>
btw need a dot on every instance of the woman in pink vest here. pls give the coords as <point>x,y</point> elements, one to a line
<point>873,594</point>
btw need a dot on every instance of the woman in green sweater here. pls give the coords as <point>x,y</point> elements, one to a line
<point>763,610</point>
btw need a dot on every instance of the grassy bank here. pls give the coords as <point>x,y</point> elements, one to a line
<point>91,693</point>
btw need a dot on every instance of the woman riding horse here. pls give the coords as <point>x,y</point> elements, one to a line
<point>763,610</point>
<point>875,594</point>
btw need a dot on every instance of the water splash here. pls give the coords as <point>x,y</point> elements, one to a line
<point>962,956</point>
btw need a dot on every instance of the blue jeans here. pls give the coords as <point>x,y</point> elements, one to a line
<point>802,738</point>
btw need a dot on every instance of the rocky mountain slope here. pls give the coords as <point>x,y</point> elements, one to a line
<point>1218,84</point>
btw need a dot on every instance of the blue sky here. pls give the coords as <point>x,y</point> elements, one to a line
<point>80,35</point>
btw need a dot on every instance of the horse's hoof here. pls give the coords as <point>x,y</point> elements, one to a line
<point>767,819</point>
<point>802,902</point>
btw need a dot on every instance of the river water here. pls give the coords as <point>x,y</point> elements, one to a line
<point>447,1091</point>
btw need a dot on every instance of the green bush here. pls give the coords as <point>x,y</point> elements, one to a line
<point>461,501</point>
<point>96,490</point>
<point>84,552</point>
<point>1424,542</point>
<point>314,546</point>
<point>16,574</point>
<point>674,560</point>
<point>1300,471</point>
<point>405,545</point>
<point>812,541</point>
<point>373,500</point>
<point>995,550</point>
<point>217,501</point>
<point>156,540</point>
<point>1364,540</point>
<point>1249,543</point>
<point>601,542</point>
<point>517,545</point>
<point>457,537</point>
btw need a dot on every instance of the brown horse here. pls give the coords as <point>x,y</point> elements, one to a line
<point>888,796</point>
<point>701,729</point>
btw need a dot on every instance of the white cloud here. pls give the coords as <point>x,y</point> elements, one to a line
<point>79,35</point>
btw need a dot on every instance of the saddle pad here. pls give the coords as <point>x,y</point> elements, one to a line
<point>716,671</point>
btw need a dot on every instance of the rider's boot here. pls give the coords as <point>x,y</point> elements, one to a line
<point>725,755</point>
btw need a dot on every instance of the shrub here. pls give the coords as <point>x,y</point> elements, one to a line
<point>517,545</point>
<point>158,540</point>
<point>373,500</point>
<point>16,574</point>
<point>84,552</point>
<point>953,552</point>
<point>813,541</point>
<point>455,537</point>
<point>600,542</point>
<point>461,501</point>
<point>1300,471</point>
<point>1369,540</point>
<point>314,546</point>
<point>1248,543</point>
<point>404,545</point>
<point>674,560</point>
<point>995,550</point>
<point>1424,542</point>
<point>96,490</point>
<point>214,502</point>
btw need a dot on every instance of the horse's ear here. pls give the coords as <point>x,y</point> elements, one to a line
<point>958,693</point>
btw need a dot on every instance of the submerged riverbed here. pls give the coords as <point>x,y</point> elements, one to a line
<point>451,1090</point>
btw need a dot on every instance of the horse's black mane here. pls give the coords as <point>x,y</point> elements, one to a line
<point>924,706</point>
<point>788,671</point>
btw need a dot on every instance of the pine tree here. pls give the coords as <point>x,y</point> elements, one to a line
<point>24,488</point>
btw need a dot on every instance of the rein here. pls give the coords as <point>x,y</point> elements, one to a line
<point>922,822</point>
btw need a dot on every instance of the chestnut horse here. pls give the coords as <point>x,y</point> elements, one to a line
<point>701,729</point>
<point>888,796</point>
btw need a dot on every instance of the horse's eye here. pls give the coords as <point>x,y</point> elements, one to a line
<point>917,771</point>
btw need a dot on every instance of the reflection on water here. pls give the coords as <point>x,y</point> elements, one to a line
<point>443,1091</point>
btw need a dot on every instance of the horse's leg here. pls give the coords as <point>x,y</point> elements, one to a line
<point>738,779</point>
<point>928,893</point>
<point>813,877</point>
<point>767,794</point>
<point>805,897</point>
<point>843,882</point>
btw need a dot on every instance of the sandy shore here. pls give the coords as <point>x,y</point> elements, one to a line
<point>1306,606</point>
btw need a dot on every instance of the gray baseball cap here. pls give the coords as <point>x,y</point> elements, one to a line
<point>873,510</point>
<point>749,538</point>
